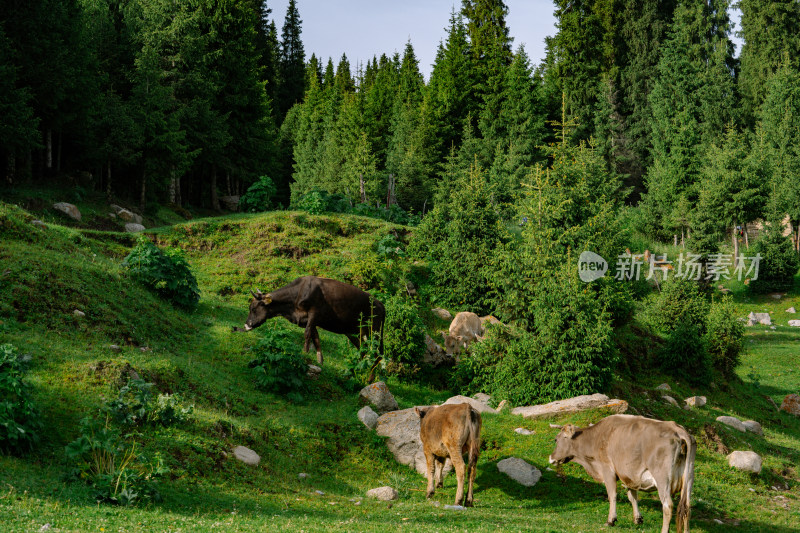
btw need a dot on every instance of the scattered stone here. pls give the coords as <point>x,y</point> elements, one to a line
<point>670,400</point>
<point>455,507</point>
<point>319,493</point>
<point>368,417</point>
<point>129,216</point>
<point>78,313</point>
<point>145,349</point>
<point>773,328</point>
<point>795,323</point>
<point>791,310</point>
<point>411,289</point>
<point>695,401</point>
<point>477,405</point>
<point>556,426</point>
<point>45,527</point>
<point>718,521</point>
<point>434,354</point>
<point>777,295</point>
<point>663,386</point>
<point>733,422</point>
<point>483,398</point>
<point>753,427</point>
<point>754,319</point>
<point>133,227</point>
<point>523,431</point>
<point>313,371</point>
<point>246,455</point>
<point>385,494</point>
<point>747,461</point>
<point>444,314</point>
<point>114,348</point>
<point>68,209</point>
<point>379,397</point>
<point>791,404</point>
<point>302,475</point>
<point>572,405</point>
<point>502,405</point>
<point>42,225</point>
<point>231,203</point>
<point>520,471</point>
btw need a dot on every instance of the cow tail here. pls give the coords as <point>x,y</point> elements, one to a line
<point>474,437</point>
<point>684,506</point>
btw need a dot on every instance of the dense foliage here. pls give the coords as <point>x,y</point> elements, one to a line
<point>403,335</point>
<point>278,365</point>
<point>19,417</point>
<point>165,271</point>
<point>137,405</point>
<point>724,336</point>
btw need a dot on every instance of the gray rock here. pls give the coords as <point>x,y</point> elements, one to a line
<point>747,461</point>
<point>42,225</point>
<point>444,314</point>
<point>313,371</point>
<point>753,427</point>
<point>78,313</point>
<point>476,404</point>
<point>434,354</point>
<point>664,386</point>
<point>670,400</point>
<point>759,318</point>
<point>129,216</point>
<point>378,396</point>
<point>231,203</point>
<point>483,398</point>
<point>455,507</point>
<point>385,494</point>
<point>795,323</point>
<point>246,455</point>
<point>572,405</point>
<point>402,429</point>
<point>791,310</point>
<point>368,417</point>
<point>733,422</point>
<point>68,209</point>
<point>302,475</point>
<point>133,227</point>
<point>520,471</point>
<point>695,401</point>
<point>114,348</point>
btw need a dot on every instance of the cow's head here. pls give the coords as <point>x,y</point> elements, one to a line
<point>453,344</point>
<point>564,451</point>
<point>260,310</point>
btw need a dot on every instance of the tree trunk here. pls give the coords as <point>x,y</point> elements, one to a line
<point>48,140</point>
<point>228,182</point>
<point>361,188</point>
<point>108,182</point>
<point>675,238</point>
<point>58,154</point>
<point>746,238</point>
<point>214,196</point>
<point>143,192</point>
<point>735,246</point>
<point>11,167</point>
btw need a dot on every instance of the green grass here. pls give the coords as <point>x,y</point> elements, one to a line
<point>46,274</point>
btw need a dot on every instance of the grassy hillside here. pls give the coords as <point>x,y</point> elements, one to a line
<point>45,274</point>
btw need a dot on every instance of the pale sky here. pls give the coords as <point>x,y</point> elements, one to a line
<point>366,28</point>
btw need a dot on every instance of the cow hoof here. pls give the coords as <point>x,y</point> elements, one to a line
<point>429,495</point>
<point>440,485</point>
<point>468,503</point>
<point>638,520</point>
<point>611,523</point>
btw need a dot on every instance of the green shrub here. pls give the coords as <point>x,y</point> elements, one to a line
<point>404,334</point>
<point>778,264</point>
<point>259,196</point>
<point>166,272</point>
<point>684,354</point>
<point>366,364</point>
<point>389,248</point>
<point>19,418</point>
<point>278,365</point>
<point>118,474</point>
<point>680,302</point>
<point>724,336</point>
<point>135,405</point>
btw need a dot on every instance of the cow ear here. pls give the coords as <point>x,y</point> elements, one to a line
<point>421,412</point>
<point>266,298</point>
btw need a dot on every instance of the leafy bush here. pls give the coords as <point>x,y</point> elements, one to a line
<point>680,301</point>
<point>112,466</point>
<point>19,418</point>
<point>366,363</point>
<point>259,196</point>
<point>685,355</point>
<point>389,248</point>
<point>278,365</point>
<point>135,405</point>
<point>404,333</point>
<point>167,272</point>
<point>778,265</point>
<point>724,336</point>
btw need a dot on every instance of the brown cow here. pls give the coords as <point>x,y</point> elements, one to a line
<point>645,454</point>
<point>312,302</point>
<point>450,431</point>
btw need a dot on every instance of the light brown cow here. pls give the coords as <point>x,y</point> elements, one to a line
<point>645,454</point>
<point>465,328</point>
<point>450,431</point>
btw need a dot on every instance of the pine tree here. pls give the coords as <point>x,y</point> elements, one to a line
<point>292,62</point>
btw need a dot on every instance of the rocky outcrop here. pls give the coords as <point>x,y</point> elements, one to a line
<point>754,319</point>
<point>572,405</point>
<point>747,461</point>
<point>402,429</point>
<point>68,209</point>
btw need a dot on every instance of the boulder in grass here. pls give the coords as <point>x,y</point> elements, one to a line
<point>794,323</point>
<point>444,314</point>
<point>378,396</point>
<point>791,310</point>
<point>385,494</point>
<point>733,422</point>
<point>747,461</point>
<point>368,417</point>
<point>68,209</point>
<point>572,405</point>
<point>754,319</point>
<point>791,404</point>
<point>670,400</point>
<point>133,227</point>
<point>664,386</point>
<point>695,401</point>
<point>520,471</point>
<point>753,427</point>
<point>246,455</point>
<point>402,428</point>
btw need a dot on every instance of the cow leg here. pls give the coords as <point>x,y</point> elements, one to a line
<point>472,469</point>
<point>610,479</point>
<point>459,466</point>
<point>666,505</point>
<point>440,462</point>
<point>633,497</point>
<point>315,338</point>
<point>430,463</point>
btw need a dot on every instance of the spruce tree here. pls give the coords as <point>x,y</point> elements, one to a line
<point>291,65</point>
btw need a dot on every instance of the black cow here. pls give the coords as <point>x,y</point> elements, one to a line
<point>312,302</point>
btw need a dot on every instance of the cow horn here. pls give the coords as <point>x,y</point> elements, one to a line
<point>254,295</point>
<point>258,291</point>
